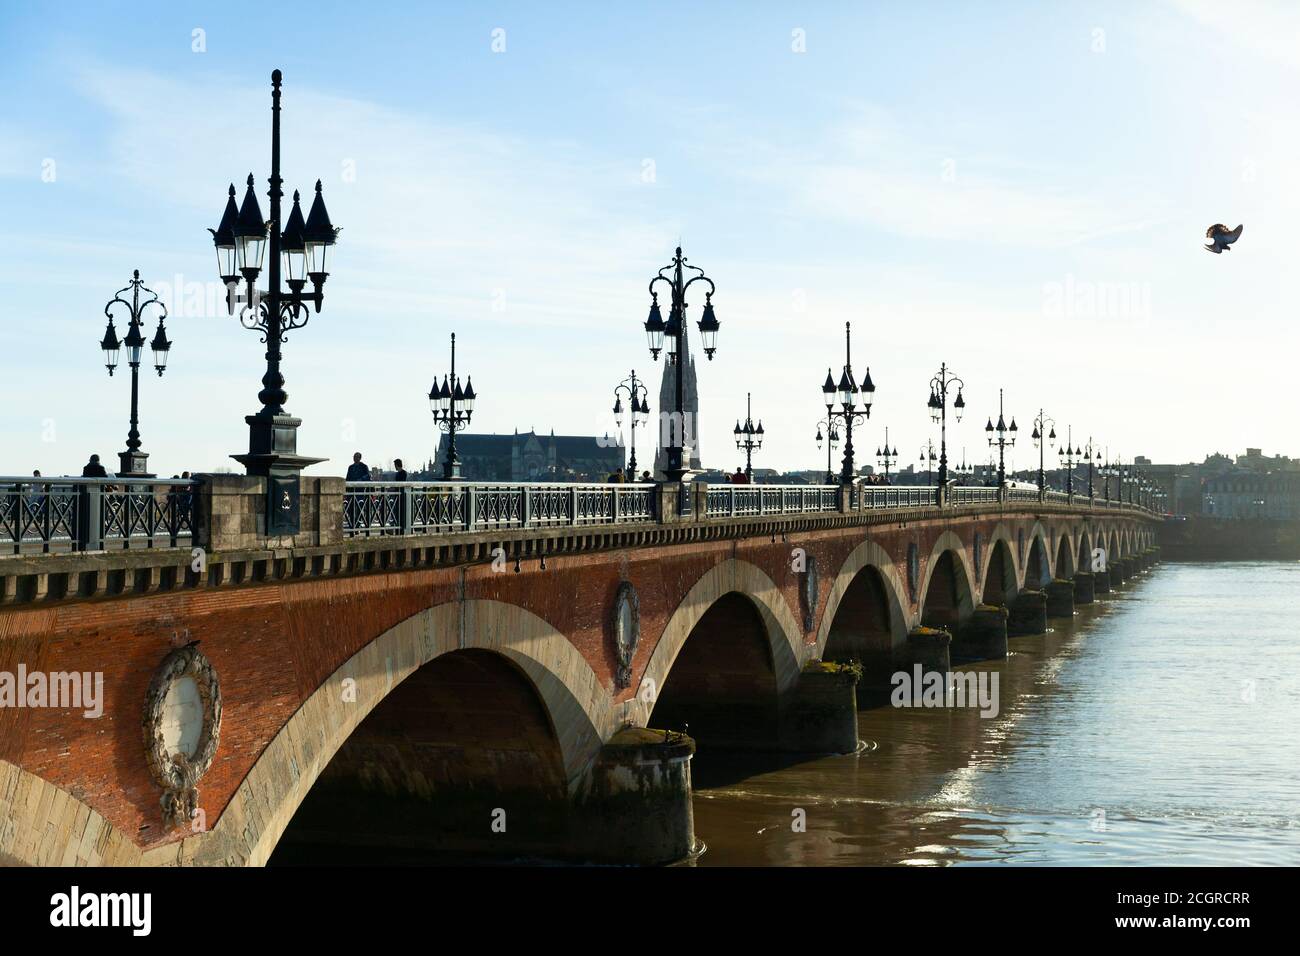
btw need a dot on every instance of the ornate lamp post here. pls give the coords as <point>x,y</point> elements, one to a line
<point>134,461</point>
<point>1106,469</point>
<point>1042,436</point>
<point>832,442</point>
<point>748,437</point>
<point>673,333</point>
<point>638,412</point>
<point>1070,457</point>
<point>938,405</point>
<point>928,458</point>
<point>452,409</point>
<point>1090,454</point>
<point>846,394</point>
<point>1000,436</point>
<point>964,469</point>
<point>886,456</point>
<point>241,241</point>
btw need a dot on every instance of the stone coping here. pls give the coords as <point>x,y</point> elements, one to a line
<point>87,575</point>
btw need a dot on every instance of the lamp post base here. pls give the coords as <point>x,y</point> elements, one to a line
<point>273,447</point>
<point>133,463</point>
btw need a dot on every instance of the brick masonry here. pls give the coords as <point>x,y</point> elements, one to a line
<point>276,643</point>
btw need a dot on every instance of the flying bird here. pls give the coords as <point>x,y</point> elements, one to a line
<point>1221,237</point>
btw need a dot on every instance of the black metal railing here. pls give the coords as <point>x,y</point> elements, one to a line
<point>415,507</point>
<point>94,514</point>
<point>727,501</point>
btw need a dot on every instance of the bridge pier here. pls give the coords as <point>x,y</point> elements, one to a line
<point>636,805</point>
<point>983,635</point>
<point>1101,582</point>
<point>1085,584</point>
<point>930,647</point>
<point>821,713</point>
<point>1060,598</point>
<point>1028,614</point>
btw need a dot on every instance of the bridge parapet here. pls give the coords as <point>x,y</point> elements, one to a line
<point>212,532</point>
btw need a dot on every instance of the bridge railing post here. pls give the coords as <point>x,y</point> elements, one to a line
<point>90,517</point>
<point>525,506</point>
<point>406,510</point>
<point>471,506</point>
<point>573,506</point>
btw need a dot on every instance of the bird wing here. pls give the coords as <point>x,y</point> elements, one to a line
<point>1217,229</point>
<point>1231,237</point>
<point>1214,248</point>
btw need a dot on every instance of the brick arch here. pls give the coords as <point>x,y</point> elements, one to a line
<point>1083,550</point>
<point>949,541</point>
<point>868,554</point>
<point>1065,547</point>
<point>1000,533</point>
<point>1037,533</point>
<point>782,631</point>
<point>576,704</point>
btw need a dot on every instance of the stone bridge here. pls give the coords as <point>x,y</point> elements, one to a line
<point>506,678</point>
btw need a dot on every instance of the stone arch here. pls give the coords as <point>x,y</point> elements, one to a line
<point>783,632</point>
<point>1038,559</point>
<point>1009,566</point>
<point>575,701</point>
<point>948,558</point>
<point>722,687</point>
<point>27,805</point>
<point>865,618</point>
<point>1064,565</point>
<point>1084,550</point>
<point>871,555</point>
<point>250,825</point>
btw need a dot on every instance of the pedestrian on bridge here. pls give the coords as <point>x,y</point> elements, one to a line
<point>400,474</point>
<point>94,469</point>
<point>358,470</point>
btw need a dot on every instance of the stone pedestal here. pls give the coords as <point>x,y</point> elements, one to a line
<point>1028,614</point>
<point>1084,587</point>
<point>636,805</point>
<point>1060,598</point>
<point>821,714</point>
<point>982,636</point>
<point>1101,582</point>
<point>668,496</point>
<point>928,646</point>
<point>230,513</point>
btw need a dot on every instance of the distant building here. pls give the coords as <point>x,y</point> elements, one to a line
<point>1246,494</point>
<point>527,456</point>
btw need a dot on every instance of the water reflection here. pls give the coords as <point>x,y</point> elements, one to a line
<point>1157,727</point>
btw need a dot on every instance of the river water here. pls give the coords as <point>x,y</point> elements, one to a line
<point>1160,726</point>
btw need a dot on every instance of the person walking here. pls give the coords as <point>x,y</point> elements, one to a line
<point>400,474</point>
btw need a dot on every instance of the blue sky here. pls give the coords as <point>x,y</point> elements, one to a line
<point>1018,189</point>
